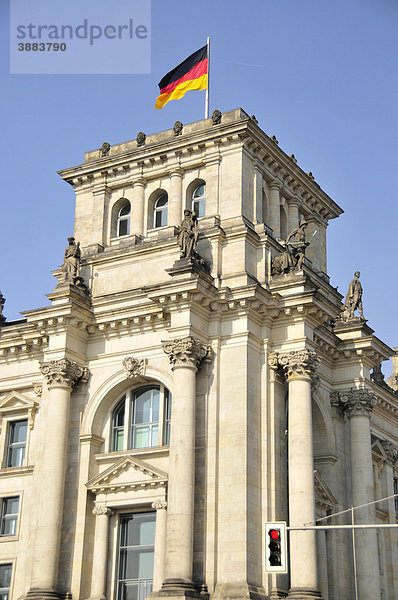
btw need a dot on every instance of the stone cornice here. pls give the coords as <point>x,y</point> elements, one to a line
<point>296,364</point>
<point>187,352</point>
<point>63,373</point>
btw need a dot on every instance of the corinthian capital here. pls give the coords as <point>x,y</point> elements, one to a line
<point>187,352</point>
<point>63,373</point>
<point>391,451</point>
<point>298,364</point>
<point>354,402</point>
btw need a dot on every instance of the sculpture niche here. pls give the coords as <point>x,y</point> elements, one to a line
<point>71,267</point>
<point>353,300</point>
<point>292,257</point>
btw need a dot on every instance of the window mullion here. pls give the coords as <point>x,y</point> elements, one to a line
<point>161,416</point>
<point>127,441</point>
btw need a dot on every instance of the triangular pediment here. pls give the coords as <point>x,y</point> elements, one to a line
<point>15,401</point>
<point>323,495</point>
<point>378,450</point>
<point>127,473</point>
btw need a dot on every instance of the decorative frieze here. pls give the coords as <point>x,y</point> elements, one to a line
<point>63,372</point>
<point>159,504</point>
<point>102,510</point>
<point>298,364</point>
<point>134,367</point>
<point>353,402</point>
<point>187,352</point>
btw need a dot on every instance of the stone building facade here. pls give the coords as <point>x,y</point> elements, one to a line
<point>163,407</point>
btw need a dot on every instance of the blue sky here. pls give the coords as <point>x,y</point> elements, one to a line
<point>321,76</point>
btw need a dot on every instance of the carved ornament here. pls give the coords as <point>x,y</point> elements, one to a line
<point>134,367</point>
<point>159,504</point>
<point>391,451</point>
<point>298,364</point>
<point>354,402</point>
<point>63,373</point>
<point>187,352</point>
<point>102,510</point>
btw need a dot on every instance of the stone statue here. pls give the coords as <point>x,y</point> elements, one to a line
<point>105,149</point>
<point>188,234</point>
<point>292,257</point>
<point>2,302</point>
<point>178,126</point>
<point>141,137</point>
<point>353,299</point>
<point>216,117</point>
<point>71,266</point>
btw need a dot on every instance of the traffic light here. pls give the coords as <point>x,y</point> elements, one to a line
<point>275,547</point>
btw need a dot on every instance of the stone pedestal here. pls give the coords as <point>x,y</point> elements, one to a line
<point>61,376</point>
<point>299,368</point>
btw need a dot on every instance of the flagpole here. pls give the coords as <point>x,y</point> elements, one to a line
<point>208,80</point>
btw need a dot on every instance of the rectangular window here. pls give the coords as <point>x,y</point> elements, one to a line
<point>136,549</point>
<point>5,581</point>
<point>9,516</point>
<point>18,431</point>
<point>396,497</point>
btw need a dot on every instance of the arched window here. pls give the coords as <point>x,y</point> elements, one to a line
<point>141,419</point>
<point>160,211</point>
<point>199,200</point>
<point>123,220</point>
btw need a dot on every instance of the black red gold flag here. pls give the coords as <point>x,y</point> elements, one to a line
<point>191,74</point>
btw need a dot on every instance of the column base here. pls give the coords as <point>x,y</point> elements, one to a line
<point>303,594</point>
<point>179,588</point>
<point>38,594</point>
<point>238,591</point>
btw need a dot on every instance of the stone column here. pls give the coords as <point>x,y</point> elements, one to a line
<point>160,543</point>
<point>61,377</point>
<point>185,355</point>
<point>359,405</point>
<point>299,367</point>
<point>274,207</point>
<point>175,198</point>
<point>100,558</point>
<point>138,207</point>
<point>293,216</point>
<point>258,194</point>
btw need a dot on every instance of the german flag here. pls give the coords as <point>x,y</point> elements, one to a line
<point>191,74</point>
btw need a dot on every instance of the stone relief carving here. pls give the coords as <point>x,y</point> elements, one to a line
<point>134,367</point>
<point>102,510</point>
<point>353,299</point>
<point>141,137</point>
<point>2,302</point>
<point>178,126</point>
<point>63,372</point>
<point>159,504</point>
<point>391,451</point>
<point>105,149</point>
<point>38,389</point>
<point>353,402</point>
<point>216,116</point>
<point>292,257</point>
<point>187,352</point>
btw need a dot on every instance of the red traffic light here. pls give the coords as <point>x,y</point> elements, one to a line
<point>274,534</point>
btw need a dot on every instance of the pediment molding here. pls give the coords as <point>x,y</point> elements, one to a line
<point>323,495</point>
<point>128,473</point>
<point>17,404</point>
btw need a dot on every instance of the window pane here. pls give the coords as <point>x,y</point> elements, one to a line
<point>125,210</point>
<point>138,530</point>
<point>141,436</point>
<point>199,207</point>
<point>128,591</point>
<point>5,576</point>
<point>155,405</point>
<point>118,439</point>
<point>123,227</point>
<point>162,201</point>
<point>18,431</point>
<point>16,456</point>
<point>8,526</point>
<point>199,191</point>
<point>11,505</point>
<point>155,435</point>
<point>142,407</point>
